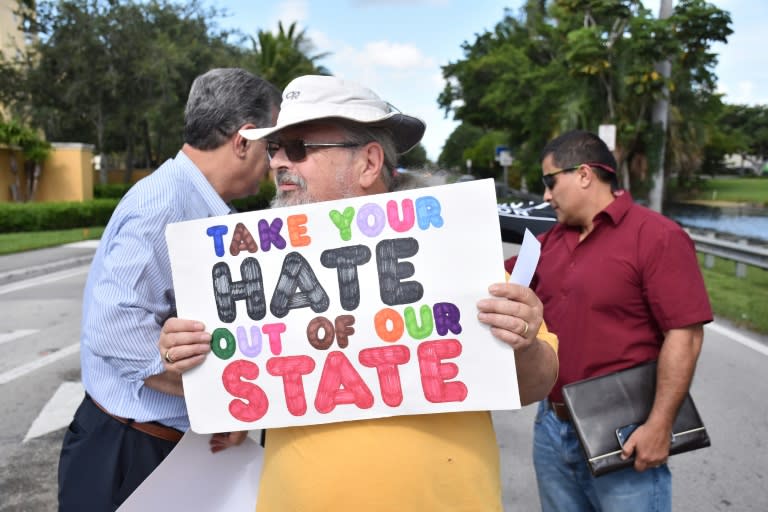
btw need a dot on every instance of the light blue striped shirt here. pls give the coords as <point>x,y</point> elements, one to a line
<point>129,293</point>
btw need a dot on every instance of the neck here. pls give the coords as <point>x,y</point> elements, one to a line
<point>210,164</point>
<point>599,202</point>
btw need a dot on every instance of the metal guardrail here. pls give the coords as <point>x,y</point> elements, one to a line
<point>740,252</point>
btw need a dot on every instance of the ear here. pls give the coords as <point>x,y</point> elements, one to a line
<point>373,158</point>
<point>239,143</point>
<point>586,175</point>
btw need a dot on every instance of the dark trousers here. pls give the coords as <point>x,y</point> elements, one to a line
<point>103,461</point>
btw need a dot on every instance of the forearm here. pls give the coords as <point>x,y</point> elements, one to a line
<point>537,368</point>
<point>166,382</point>
<point>675,369</point>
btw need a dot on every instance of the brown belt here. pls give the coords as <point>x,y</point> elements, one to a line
<point>153,429</point>
<point>560,410</point>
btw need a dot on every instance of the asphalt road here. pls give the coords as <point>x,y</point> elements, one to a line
<point>39,375</point>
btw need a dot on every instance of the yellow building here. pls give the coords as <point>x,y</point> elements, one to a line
<point>12,40</point>
<point>67,174</point>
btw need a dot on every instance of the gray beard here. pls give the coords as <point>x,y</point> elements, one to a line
<point>293,199</point>
<point>301,196</point>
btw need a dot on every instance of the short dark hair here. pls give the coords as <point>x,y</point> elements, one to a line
<point>221,101</point>
<point>580,147</point>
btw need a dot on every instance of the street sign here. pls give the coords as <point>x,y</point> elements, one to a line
<point>607,132</point>
<point>505,158</point>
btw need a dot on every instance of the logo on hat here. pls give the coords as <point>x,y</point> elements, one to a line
<point>293,95</point>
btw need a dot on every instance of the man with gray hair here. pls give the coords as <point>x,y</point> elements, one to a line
<point>133,413</point>
<point>337,139</point>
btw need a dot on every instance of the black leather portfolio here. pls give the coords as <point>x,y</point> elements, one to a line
<point>606,408</point>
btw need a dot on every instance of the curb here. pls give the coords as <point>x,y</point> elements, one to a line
<point>46,268</point>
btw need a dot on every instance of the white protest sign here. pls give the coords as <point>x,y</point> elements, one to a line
<point>192,478</point>
<point>527,260</point>
<point>358,308</point>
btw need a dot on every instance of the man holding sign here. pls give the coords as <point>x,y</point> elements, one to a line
<point>335,139</point>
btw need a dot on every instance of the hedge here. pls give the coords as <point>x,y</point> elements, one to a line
<point>24,217</point>
<point>258,202</point>
<point>110,191</point>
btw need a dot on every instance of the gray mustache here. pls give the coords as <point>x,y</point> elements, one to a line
<point>285,178</point>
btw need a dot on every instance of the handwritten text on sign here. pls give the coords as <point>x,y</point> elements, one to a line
<point>350,309</point>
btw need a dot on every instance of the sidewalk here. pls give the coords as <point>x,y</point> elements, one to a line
<point>28,264</point>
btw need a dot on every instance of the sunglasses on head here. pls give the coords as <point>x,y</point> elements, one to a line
<point>296,149</point>
<point>549,179</point>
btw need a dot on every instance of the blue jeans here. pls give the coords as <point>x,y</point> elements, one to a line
<point>566,484</point>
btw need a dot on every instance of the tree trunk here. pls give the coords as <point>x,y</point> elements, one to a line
<point>625,183</point>
<point>659,118</point>
<point>36,169</point>
<point>103,178</point>
<point>128,175</point>
<point>147,145</point>
<point>15,186</point>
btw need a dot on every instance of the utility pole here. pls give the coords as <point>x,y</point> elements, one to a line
<point>659,121</point>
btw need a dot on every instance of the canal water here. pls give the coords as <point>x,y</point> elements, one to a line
<point>747,222</point>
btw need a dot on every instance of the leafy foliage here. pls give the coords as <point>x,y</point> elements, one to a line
<point>416,158</point>
<point>744,131</point>
<point>283,56</point>
<point>566,64</point>
<point>116,73</point>
<point>18,217</point>
<point>33,147</point>
<point>464,136</point>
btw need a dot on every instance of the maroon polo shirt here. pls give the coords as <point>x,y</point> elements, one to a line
<point>611,297</point>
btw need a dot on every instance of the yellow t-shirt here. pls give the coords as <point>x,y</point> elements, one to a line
<point>432,462</point>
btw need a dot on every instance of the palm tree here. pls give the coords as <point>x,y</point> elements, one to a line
<point>282,57</point>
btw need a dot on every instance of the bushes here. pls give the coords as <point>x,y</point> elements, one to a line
<point>111,191</point>
<point>258,202</point>
<point>22,217</point>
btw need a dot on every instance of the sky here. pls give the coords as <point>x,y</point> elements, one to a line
<point>397,47</point>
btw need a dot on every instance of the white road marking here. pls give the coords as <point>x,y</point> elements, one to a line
<point>85,244</point>
<point>58,412</point>
<point>14,335</point>
<point>30,367</point>
<point>738,337</point>
<point>43,280</point>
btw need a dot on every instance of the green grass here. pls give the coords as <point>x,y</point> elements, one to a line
<point>18,242</point>
<point>739,190</point>
<point>741,301</point>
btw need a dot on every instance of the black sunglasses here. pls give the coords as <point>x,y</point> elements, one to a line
<point>296,149</point>
<point>549,179</point>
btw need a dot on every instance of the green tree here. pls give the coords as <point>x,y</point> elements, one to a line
<point>744,129</point>
<point>34,150</point>
<point>568,64</point>
<point>483,154</point>
<point>416,158</point>
<point>463,137</point>
<point>115,73</point>
<point>283,56</point>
